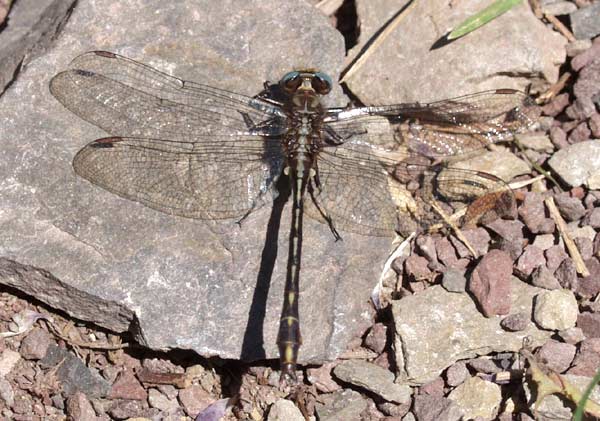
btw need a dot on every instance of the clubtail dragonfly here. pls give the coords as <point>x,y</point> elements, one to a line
<point>197,151</point>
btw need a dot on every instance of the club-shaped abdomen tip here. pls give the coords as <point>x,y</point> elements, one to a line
<point>288,372</point>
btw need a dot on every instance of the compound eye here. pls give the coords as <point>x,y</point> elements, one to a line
<point>291,81</point>
<point>321,83</point>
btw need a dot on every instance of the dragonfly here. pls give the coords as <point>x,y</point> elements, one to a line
<point>197,151</point>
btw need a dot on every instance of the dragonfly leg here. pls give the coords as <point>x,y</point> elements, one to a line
<point>322,211</point>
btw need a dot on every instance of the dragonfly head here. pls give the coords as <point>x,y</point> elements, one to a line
<point>306,81</point>
<point>305,87</point>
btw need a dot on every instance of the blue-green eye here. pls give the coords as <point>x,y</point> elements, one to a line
<point>321,83</point>
<point>290,76</point>
<point>291,81</point>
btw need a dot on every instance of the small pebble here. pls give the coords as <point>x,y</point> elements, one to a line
<point>434,387</point>
<point>415,267</point>
<point>592,218</point>
<point>542,277</point>
<point>558,137</point>
<point>587,359</point>
<point>544,241</point>
<point>454,280</point>
<point>559,8</point>
<point>585,247</point>
<point>531,258</point>
<point>490,283</point>
<point>35,344</point>
<point>556,309</point>
<point>456,373</point>
<point>515,322</point>
<point>572,335</point>
<point>570,208</point>
<point>585,23</point>
<point>557,356</point>
<point>555,256</point>
<point>484,365</point>
<point>376,339</point>
<point>581,133</point>
<point>589,324</point>
<point>566,274</point>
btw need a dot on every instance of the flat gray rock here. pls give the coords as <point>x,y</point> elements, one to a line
<point>30,28</point>
<point>175,282</point>
<point>577,163</point>
<point>373,378</point>
<point>404,69</point>
<point>435,328</point>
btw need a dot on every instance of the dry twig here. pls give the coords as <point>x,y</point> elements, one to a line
<point>459,234</point>
<point>564,233</point>
<point>553,90</point>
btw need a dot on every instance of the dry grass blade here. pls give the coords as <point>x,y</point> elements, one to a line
<point>376,293</point>
<point>520,184</point>
<point>554,89</point>
<point>375,42</point>
<point>564,233</point>
<point>560,27</point>
<point>537,10</point>
<point>448,220</point>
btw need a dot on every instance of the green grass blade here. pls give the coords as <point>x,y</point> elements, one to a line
<point>486,15</point>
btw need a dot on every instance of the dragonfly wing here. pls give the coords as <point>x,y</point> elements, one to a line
<point>352,188</point>
<point>483,197</point>
<point>127,98</point>
<point>206,179</point>
<point>454,126</point>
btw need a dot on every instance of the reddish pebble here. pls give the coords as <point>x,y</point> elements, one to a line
<point>490,283</point>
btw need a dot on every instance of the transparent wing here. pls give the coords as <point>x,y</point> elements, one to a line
<point>206,179</point>
<point>127,98</point>
<point>352,189</point>
<point>449,127</point>
<point>361,188</point>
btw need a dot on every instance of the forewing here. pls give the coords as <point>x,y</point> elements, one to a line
<point>127,98</point>
<point>451,127</point>
<point>205,180</point>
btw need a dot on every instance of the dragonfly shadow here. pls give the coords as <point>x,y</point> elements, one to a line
<point>253,343</point>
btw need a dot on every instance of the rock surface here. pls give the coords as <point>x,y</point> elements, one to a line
<point>490,283</point>
<point>342,405</point>
<point>30,29</point>
<point>435,328</point>
<point>585,21</point>
<point>177,283</point>
<point>500,163</point>
<point>576,163</point>
<point>556,309</point>
<point>285,410</point>
<point>405,59</point>
<point>477,398</point>
<point>373,378</point>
